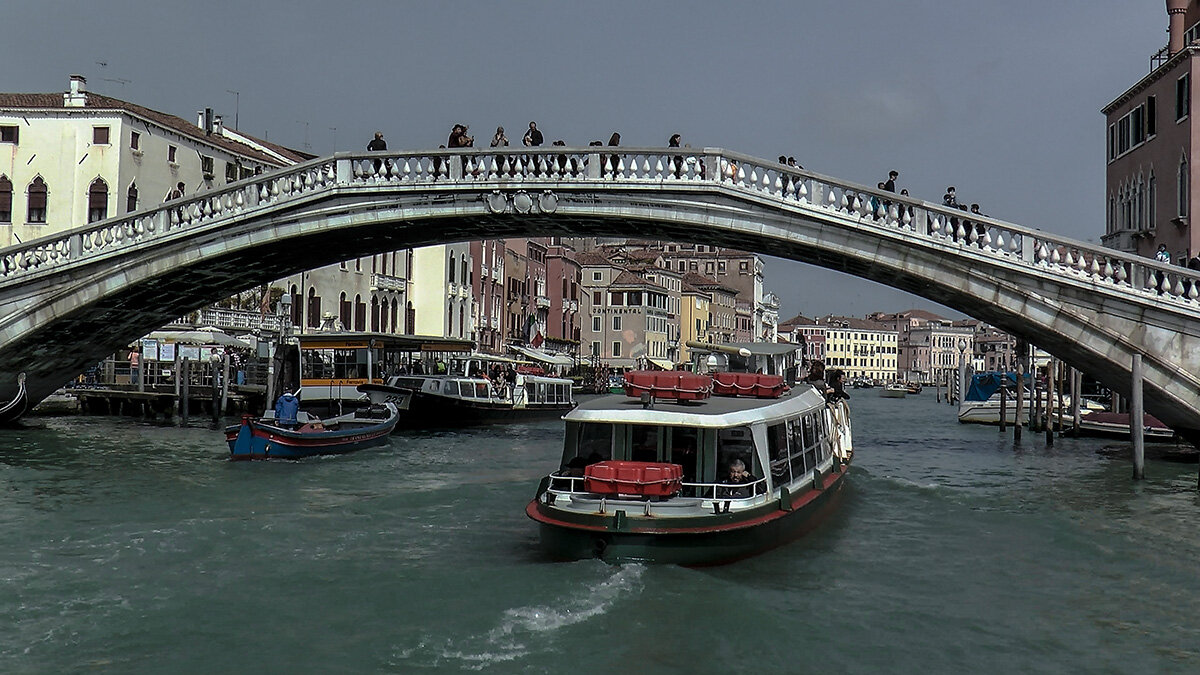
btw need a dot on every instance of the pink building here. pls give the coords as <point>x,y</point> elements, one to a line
<point>1150,186</point>
<point>563,276</point>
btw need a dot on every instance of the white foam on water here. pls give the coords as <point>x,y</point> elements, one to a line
<point>536,623</point>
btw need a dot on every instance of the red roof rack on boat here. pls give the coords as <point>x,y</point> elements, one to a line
<point>757,385</point>
<point>678,385</point>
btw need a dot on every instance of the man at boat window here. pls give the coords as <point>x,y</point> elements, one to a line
<point>737,475</point>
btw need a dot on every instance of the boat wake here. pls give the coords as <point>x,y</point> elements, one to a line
<point>521,628</point>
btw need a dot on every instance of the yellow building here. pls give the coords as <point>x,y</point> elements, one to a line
<point>695,319</point>
<point>860,348</point>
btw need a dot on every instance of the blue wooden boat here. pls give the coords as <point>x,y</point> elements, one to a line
<point>269,438</point>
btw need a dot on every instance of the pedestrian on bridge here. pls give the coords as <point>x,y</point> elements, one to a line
<point>532,137</point>
<point>890,184</point>
<point>377,144</point>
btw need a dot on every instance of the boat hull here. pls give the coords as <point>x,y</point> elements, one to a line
<point>888,392</point>
<point>710,540</point>
<point>257,439</point>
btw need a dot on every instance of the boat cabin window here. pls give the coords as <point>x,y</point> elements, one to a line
<point>334,364</point>
<point>805,444</point>
<point>777,450</point>
<point>684,444</point>
<point>481,390</point>
<point>736,443</point>
<point>643,443</point>
<point>465,389</point>
<point>586,444</point>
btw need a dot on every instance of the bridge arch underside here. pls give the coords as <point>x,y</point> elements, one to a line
<point>76,315</point>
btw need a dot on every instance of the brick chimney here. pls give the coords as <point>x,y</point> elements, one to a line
<point>76,97</point>
<point>1175,14</point>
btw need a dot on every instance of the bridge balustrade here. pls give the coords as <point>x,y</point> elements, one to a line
<point>562,168</point>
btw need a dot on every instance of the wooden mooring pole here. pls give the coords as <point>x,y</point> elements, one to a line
<point>1136,415</point>
<point>1021,350</point>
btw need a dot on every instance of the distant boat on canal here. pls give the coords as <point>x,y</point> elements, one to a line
<point>273,437</point>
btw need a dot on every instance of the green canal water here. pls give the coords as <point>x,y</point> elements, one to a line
<point>134,548</point>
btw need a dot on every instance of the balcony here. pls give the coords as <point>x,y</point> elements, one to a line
<point>543,301</point>
<point>229,318</point>
<point>384,282</point>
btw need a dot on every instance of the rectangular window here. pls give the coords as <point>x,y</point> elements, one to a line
<point>206,166</point>
<point>616,349</point>
<point>1112,141</point>
<point>1183,97</point>
<point>596,324</point>
<point>1151,111</point>
<point>635,298</point>
<point>231,172</point>
<point>135,141</point>
<point>171,153</point>
<point>617,298</point>
<point>616,323</point>
<point>596,348</point>
<point>1137,124</point>
<point>99,135</point>
<point>598,298</point>
<point>9,134</point>
<point>596,276</point>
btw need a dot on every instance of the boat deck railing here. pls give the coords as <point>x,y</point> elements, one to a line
<point>693,499</point>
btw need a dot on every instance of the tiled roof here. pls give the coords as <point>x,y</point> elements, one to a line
<point>707,283</point>
<point>630,279</point>
<point>593,259</point>
<point>798,320</point>
<point>97,102</point>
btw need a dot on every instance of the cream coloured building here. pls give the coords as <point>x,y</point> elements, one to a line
<point>860,348</point>
<point>441,290</point>
<point>67,159</point>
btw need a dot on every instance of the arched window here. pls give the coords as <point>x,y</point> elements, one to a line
<point>450,321</point>
<point>297,306</point>
<point>131,198</point>
<point>314,308</point>
<point>410,318</point>
<point>395,318</point>
<point>360,312</point>
<point>374,311</point>
<point>36,213</point>
<point>97,200</point>
<point>450,268</point>
<point>383,317</point>
<point>1184,184</point>
<point>462,321</point>
<point>464,269</point>
<point>345,311</point>
<point>5,200</point>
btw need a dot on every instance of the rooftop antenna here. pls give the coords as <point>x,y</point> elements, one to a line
<point>307,146</point>
<point>119,80</point>
<point>237,106</point>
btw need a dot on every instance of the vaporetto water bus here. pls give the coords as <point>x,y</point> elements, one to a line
<point>694,468</point>
<point>467,395</point>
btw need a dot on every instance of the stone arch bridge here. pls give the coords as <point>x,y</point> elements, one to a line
<point>69,299</point>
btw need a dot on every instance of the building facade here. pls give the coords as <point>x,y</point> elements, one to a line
<point>1151,183</point>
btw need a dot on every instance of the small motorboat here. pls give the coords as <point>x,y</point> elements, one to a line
<point>894,390</point>
<point>269,437</point>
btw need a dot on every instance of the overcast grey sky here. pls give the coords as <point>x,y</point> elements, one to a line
<point>1000,99</point>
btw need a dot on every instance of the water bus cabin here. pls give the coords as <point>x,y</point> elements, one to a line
<point>696,468</point>
<point>476,389</point>
<point>333,365</point>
